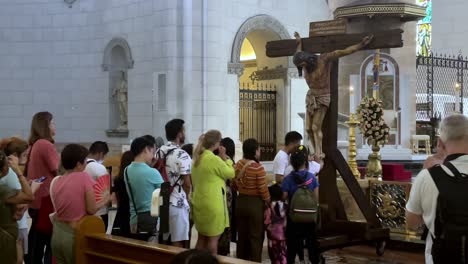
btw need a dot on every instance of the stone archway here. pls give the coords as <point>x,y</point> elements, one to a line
<point>117,60</point>
<point>258,22</point>
<point>264,81</point>
<point>107,64</point>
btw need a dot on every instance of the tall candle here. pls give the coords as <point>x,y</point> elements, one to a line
<point>352,102</point>
<point>457,98</point>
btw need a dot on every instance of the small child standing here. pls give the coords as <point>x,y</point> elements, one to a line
<point>297,232</point>
<point>276,226</point>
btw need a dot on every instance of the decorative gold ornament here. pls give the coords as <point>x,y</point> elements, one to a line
<point>352,150</point>
<point>374,166</point>
<point>389,209</point>
<point>389,199</point>
<point>407,12</point>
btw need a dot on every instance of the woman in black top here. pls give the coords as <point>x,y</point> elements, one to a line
<point>230,234</point>
<point>122,219</point>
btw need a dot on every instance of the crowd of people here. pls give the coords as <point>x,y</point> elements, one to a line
<point>226,201</point>
<point>207,189</point>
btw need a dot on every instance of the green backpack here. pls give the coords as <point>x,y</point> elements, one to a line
<point>304,206</point>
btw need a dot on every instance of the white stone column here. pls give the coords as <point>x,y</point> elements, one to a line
<point>188,82</point>
<point>235,70</point>
<point>405,56</point>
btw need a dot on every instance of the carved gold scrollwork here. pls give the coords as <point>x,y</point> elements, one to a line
<point>389,207</point>
<point>389,199</point>
<point>395,9</point>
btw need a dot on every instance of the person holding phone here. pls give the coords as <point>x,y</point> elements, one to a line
<point>10,196</point>
<point>209,174</point>
<point>18,148</point>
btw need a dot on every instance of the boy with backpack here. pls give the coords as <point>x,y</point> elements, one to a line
<point>439,194</point>
<point>301,189</point>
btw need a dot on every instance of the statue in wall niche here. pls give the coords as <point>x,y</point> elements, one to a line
<point>120,95</point>
<point>317,76</point>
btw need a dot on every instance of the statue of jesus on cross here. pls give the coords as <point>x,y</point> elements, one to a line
<point>317,75</point>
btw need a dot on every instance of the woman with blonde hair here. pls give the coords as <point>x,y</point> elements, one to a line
<point>209,174</point>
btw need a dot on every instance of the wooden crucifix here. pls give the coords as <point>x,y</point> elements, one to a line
<point>324,88</point>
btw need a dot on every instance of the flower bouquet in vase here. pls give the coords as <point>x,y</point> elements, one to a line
<point>375,131</point>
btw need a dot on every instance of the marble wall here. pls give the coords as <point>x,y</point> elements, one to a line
<point>449,31</point>
<point>51,57</point>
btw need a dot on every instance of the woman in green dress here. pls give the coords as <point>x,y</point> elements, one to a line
<point>208,199</point>
<point>9,198</point>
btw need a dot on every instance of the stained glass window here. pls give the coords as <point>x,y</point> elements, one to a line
<point>424,30</point>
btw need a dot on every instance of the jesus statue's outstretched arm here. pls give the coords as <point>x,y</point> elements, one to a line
<point>349,50</point>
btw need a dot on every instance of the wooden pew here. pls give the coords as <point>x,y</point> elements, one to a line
<point>92,245</point>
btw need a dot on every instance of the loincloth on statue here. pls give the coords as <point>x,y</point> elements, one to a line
<point>314,102</point>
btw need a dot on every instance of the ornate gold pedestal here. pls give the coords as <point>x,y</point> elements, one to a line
<point>374,166</point>
<point>389,200</point>
<point>352,150</point>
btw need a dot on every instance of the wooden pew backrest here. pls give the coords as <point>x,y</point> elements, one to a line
<point>92,245</point>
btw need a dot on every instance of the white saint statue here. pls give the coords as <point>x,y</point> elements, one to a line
<point>120,96</point>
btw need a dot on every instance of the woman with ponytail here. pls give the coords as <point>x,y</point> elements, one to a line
<point>209,174</point>
<point>296,233</point>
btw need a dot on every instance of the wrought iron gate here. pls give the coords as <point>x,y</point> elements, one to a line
<point>441,84</point>
<point>440,90</point>
<point>257,116</point>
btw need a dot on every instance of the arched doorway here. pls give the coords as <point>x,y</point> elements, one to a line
<point>389,73</point>
<point>263,83</point>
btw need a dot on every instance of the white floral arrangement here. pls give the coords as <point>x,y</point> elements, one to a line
<point>372,124</point>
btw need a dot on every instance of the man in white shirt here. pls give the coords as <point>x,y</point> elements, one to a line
<point>178,168</point>
<point>97,152</point>
<point>422,204</point>
<point>291,141</point>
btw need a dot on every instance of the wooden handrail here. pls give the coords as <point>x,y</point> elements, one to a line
<point>92,245</point>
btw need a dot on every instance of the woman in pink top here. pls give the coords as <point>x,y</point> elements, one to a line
<point>43,161</point>
<point>73,198</point>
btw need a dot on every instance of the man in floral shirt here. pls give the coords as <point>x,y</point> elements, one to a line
<point>178,168</point>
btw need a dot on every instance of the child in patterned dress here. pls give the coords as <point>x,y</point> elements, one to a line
<point>276,226</point>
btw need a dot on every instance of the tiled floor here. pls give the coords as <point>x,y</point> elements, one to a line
<point>361,255</point>
<point>366,254</point>
<point>354,255</point>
